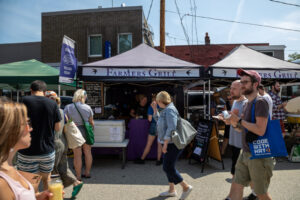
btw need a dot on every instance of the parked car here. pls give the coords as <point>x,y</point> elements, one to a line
<point>65,100</point>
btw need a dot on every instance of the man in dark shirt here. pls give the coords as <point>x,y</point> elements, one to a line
<point>256,171</point>
<point>45,117</point>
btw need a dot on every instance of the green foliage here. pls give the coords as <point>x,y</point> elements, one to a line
<point>294,56</point>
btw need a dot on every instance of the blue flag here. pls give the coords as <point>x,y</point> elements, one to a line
<point>68,63</point>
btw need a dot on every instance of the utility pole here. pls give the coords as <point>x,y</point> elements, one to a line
<point>162,27</point>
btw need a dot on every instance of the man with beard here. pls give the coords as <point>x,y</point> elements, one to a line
<point>235,136</point>
<point>278,106</point>
<point>257,171</point>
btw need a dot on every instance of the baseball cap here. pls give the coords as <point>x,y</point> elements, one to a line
<point>250,73</point>
<point>51,95</point>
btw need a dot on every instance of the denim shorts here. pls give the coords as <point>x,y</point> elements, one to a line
<point>152,129</point>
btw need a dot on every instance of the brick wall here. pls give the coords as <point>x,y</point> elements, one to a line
<point>79,25</point>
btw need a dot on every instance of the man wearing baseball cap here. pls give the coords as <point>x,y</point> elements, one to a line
<point>256,171</point>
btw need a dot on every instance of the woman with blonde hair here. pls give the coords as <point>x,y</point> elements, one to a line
<point>72,112</point>
<point>166,124</point>
<point>14,135</point>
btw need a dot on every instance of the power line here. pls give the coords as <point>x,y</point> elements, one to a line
<point>238,22</point>
<point>195,10</point>
<point>175,36</point>
<point>184,30</point>
<point>290,4</point>
<point>149,10</point>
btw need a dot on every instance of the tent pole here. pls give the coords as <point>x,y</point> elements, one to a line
<point>209,99</point>
<point>59,90</point>
<point>18,96</point>
<point>204,103</point>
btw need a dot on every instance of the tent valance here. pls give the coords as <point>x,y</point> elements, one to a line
<point>142,63</point>
<point>268,67</point>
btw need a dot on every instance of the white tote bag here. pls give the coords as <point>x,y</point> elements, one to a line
<point>73,135</point>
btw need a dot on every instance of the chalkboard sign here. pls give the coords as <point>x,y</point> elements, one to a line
<point>202,139</point>
<point>94,97</point>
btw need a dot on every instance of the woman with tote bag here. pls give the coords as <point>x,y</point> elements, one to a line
<point>78,112</point>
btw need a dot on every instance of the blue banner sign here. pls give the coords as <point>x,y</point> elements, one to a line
<point>68,63</point>
<point>107,49</point>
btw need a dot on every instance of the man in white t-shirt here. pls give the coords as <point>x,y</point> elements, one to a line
<point>267,97</point>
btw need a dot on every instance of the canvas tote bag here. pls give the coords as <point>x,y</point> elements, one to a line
<point>90,138</point>
<point>73,135</point>
<point>184,133</point>
<point>271,144</point>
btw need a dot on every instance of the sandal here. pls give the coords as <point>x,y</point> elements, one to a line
<point>76,189</point>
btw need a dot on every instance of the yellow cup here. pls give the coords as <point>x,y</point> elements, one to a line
<point>56,188</point>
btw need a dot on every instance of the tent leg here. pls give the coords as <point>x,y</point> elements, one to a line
<point>59,88</point>
<point>209,99</point>
<point>204,101</point>
<point>18,96</point>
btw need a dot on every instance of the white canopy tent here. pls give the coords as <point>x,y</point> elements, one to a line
<point>142,63</point>
<point>268,67</point>
<point>143,66</point>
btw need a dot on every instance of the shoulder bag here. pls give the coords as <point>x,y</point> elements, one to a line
<point>271,144</point>
<point>183,134</point>
<point>73,135</point>
<point>89,129</point>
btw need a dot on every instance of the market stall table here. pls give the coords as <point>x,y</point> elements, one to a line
<point>122,145</point>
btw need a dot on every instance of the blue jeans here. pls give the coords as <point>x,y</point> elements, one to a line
<point>169,162</point>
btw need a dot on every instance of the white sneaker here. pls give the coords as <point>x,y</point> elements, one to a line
<point>184,195</point>
<point>168,194</point>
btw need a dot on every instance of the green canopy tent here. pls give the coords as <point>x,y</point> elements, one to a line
<point>19,75</point>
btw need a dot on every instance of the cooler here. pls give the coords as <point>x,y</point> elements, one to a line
<point>109,130</point>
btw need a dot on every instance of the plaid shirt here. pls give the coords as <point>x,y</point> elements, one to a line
<point>277,113</point>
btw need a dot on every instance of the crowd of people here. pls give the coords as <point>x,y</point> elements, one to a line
<point>34,130</point>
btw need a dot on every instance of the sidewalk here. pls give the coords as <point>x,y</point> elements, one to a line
<point>141,182</point>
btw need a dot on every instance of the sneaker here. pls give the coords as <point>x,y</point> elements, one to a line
<point>251,197</point>
<point>168,194</point>
<point>184,195</point>
<point>139,161</point>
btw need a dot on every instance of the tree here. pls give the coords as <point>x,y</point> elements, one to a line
<point>294,56</point>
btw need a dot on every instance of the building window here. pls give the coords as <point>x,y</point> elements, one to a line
<point>95,45</point>
<point>124,42</point>
<point>269,53</point>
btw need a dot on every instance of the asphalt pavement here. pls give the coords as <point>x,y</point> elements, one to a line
<point>145,182</point>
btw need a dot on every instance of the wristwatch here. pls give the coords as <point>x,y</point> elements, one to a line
<point>240,122</point>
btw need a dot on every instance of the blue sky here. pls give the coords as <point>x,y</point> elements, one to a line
<point>20,20</point>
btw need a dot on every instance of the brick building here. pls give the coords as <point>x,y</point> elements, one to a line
<point>209,54</point>
<point>123,27</point>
